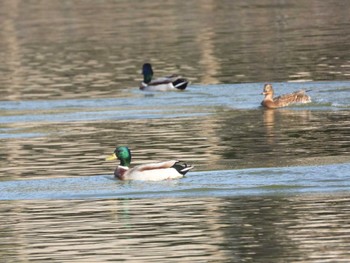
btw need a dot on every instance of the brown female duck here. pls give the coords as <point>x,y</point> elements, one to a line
<point>283,100</point>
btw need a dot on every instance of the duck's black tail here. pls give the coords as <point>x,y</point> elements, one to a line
<point>182,167</point>
<point>180,83</point>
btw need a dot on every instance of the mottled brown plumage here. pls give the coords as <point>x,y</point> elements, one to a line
<point>283,100</point>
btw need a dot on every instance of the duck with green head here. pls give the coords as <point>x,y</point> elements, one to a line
<point>148,172</point>
<point>173,82</point>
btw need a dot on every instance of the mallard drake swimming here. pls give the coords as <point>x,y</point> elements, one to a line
<point>283,100</point>
<point>173,82</point>
<point>146,172</point>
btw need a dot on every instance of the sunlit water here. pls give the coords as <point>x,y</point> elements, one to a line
<point>268,185</point>
<point>224,183</point>
<point>214,127</point>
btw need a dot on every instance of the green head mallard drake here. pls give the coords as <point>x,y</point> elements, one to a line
<point>283,100</point>
<point>173,82</point>
<point>147,172</point>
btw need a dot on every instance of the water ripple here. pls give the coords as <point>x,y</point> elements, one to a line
<point>263,181</point>
<point>201,229</point>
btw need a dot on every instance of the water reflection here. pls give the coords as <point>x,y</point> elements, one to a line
<point>275,120</point>
<point>62,62</point>
<point>255,229</point>
<point>225,139</point>
<point>279,137</point>
<point>67,50</point>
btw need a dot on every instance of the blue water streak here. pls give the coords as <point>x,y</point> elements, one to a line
<point>271,181</point>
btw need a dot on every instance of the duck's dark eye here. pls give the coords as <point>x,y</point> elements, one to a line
<point>120,151</point>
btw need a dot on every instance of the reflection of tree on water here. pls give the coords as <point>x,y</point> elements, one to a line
<point>260,138</point>
<point>145,230</point>
<point>276,228</point>
<point>227,139</point>
<point>283,119</point>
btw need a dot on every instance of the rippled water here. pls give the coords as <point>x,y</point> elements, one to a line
<point>254,229</point>
<point>216,127</point>
<point>268,185</point>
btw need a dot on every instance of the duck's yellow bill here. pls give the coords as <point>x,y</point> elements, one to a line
<point>111,157</point>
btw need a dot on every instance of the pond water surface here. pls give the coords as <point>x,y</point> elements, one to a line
<point>268,185</point>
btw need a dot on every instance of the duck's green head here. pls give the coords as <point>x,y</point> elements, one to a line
<point>147,73</point>
<point>121,153</point>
